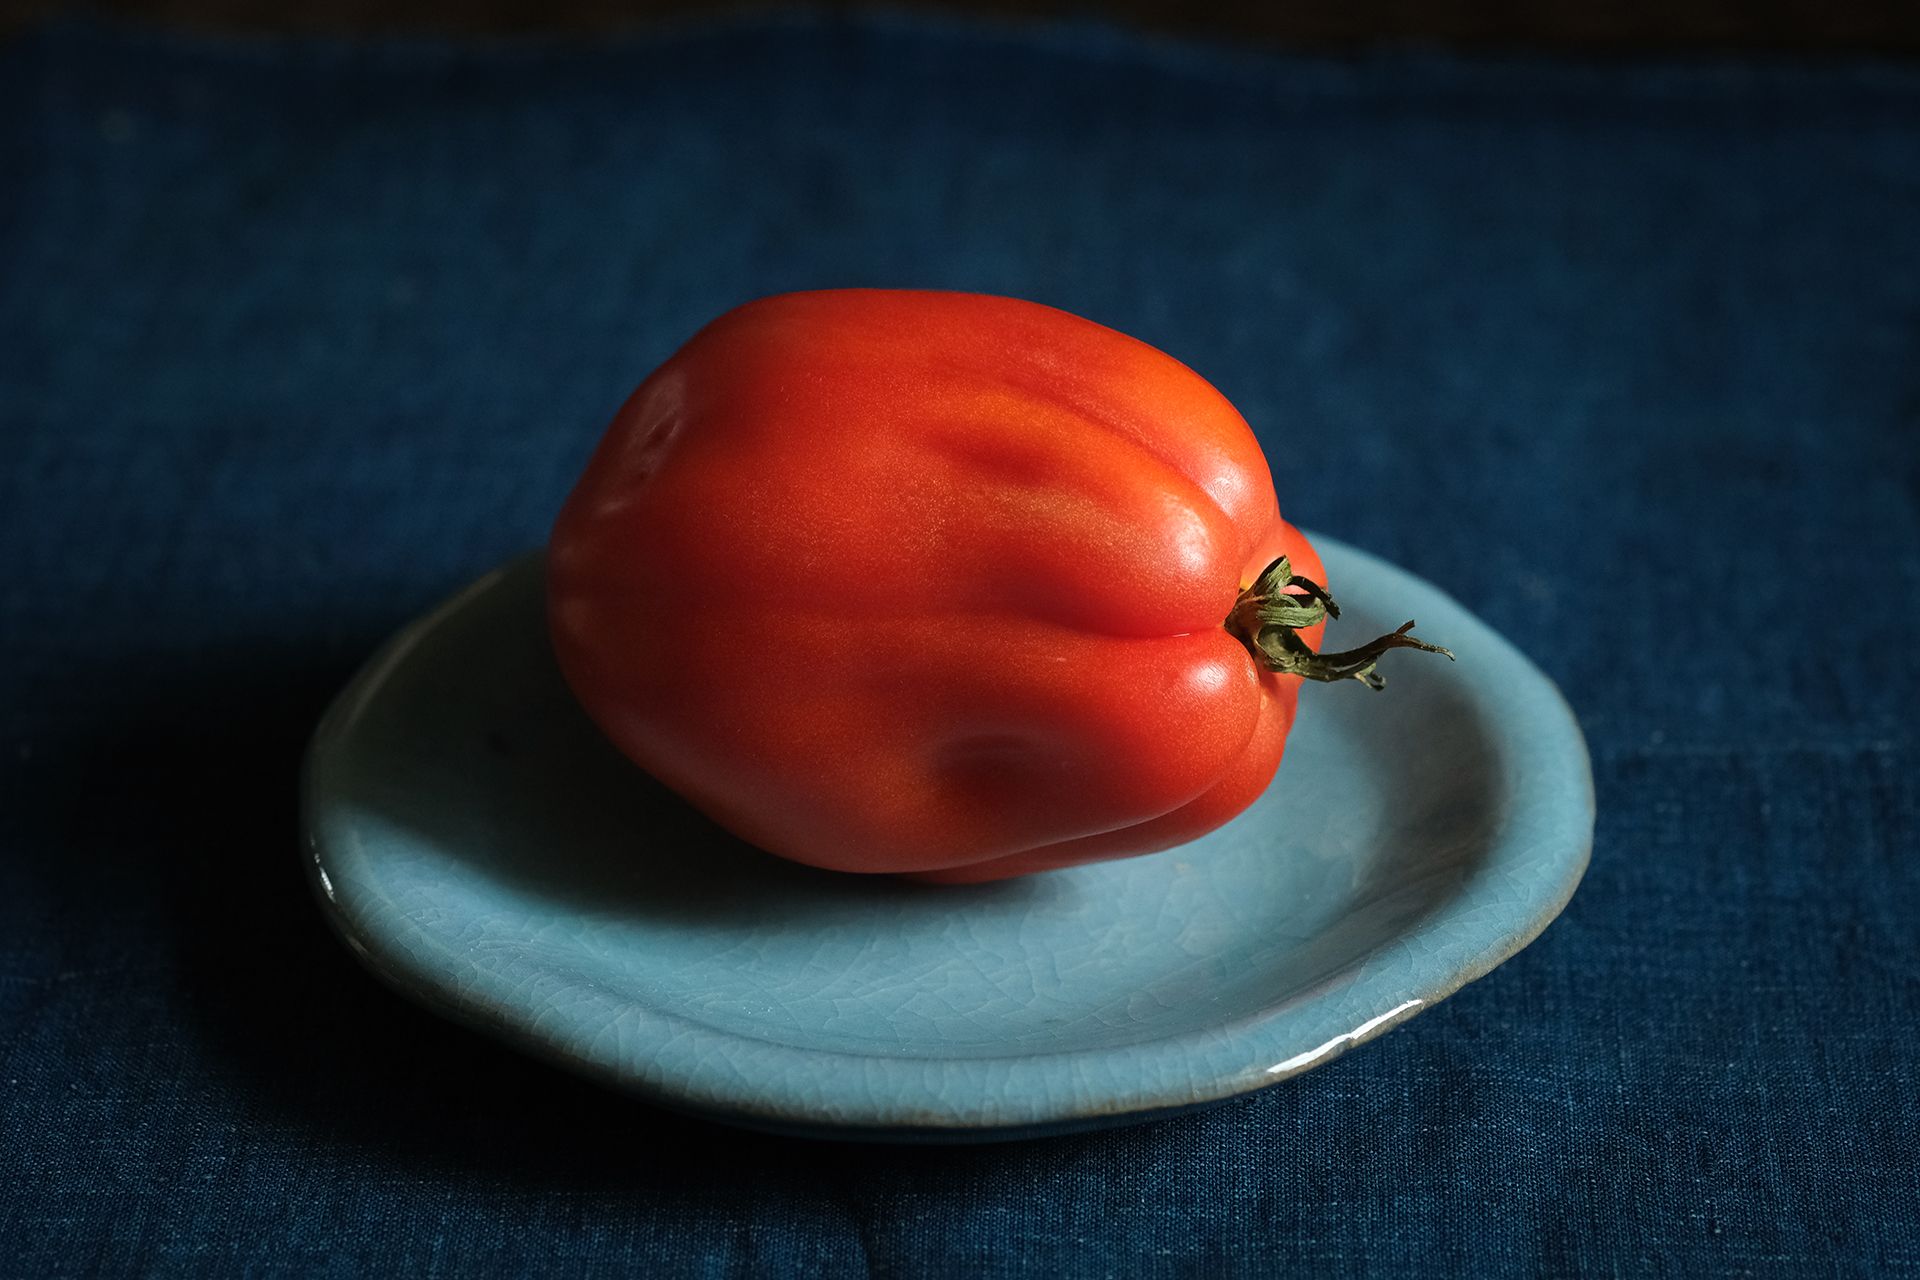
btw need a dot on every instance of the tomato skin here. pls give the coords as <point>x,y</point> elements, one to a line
<point>899,581</point>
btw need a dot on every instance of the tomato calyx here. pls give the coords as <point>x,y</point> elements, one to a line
<point>1269,615</point>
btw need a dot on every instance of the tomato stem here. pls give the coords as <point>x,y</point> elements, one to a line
<point>1269,616</point>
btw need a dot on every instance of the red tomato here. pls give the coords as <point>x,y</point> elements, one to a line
<point>894,581</point>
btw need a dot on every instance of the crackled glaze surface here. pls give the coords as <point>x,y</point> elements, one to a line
<point>481,848</point>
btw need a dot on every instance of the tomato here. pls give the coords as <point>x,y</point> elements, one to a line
<point>938,583</point>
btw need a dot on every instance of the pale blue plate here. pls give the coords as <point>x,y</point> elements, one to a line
<point>480,848</point>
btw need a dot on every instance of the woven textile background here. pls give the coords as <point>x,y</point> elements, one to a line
<point>296,337</point>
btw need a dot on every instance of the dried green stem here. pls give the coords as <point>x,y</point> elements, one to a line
<point>1269,616</point>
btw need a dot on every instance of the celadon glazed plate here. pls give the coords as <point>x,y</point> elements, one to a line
<point>481,848</point>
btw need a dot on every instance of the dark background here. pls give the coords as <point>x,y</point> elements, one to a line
<point>1790,27</point>
<point>1604,319</point>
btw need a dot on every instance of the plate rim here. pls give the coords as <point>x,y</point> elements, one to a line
<point>878,1115</point>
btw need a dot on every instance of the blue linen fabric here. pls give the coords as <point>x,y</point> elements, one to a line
<point>296,336</point>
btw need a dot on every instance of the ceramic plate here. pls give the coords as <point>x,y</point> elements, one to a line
<point>482,849</point>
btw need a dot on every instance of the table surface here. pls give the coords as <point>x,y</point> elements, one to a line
<point>296,336</point>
